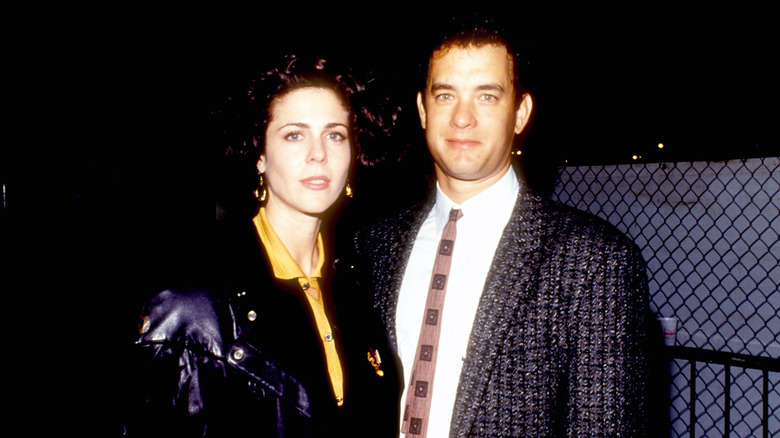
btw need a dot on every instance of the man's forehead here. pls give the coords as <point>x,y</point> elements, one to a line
<point>489,63</point>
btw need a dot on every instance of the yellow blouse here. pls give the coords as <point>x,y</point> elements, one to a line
<point>286,268</point>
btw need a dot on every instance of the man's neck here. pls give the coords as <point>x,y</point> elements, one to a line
<point>460,191</point>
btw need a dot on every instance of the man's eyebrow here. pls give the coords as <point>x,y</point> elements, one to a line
<point>484,87</point>
<point>491,87</point>
<point>439,86</point>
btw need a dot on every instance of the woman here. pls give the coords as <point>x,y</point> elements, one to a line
<point>277,344</point>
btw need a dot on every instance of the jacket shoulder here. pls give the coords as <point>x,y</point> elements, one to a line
<point>193,317</point>
<point>567,223</point>
<point>390,228</point>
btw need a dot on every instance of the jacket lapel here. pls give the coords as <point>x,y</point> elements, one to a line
<point>405,230</point>
<point>512,281</point>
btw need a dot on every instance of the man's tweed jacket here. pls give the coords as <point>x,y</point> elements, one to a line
<point>559,343</point>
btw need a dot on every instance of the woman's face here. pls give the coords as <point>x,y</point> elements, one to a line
<point>307,151</point>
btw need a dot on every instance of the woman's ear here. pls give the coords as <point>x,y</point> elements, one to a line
<point>261,164</point>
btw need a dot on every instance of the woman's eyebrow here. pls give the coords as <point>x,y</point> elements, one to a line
<point>297,125</point>
<point>306,125</point>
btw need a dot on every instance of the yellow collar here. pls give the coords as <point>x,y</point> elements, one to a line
<point>283,264</point>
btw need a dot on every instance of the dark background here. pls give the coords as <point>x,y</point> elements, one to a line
<point>109,176</point>
<point>108,104</point>
<point>110,132</point>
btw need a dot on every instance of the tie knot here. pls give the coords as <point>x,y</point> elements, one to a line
<point>455,214</point>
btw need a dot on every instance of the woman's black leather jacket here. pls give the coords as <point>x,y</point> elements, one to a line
<point>242,358</point>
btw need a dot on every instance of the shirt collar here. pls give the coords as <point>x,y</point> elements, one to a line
<point>283,264</point>
<point>483,204</point>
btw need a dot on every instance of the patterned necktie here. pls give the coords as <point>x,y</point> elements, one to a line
<point>418,396</point>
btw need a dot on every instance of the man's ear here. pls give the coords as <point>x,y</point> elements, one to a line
<point>524,111</point>
<point>261,164</point>
<point>421,109</point>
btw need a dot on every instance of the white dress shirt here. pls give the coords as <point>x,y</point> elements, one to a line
<point>478,232</point>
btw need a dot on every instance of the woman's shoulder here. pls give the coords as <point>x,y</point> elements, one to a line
<point>191,316</point>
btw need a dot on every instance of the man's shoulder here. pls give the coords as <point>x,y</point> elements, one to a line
<point>391,224</point>
<point>569,224</point>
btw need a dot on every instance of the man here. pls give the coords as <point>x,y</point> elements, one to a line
<point>543,327</point>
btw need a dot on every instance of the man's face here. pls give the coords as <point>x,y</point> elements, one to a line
<point>470,115</point>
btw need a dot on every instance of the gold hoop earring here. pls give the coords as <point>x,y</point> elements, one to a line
<point>348,190</point>
<point>261,197</point>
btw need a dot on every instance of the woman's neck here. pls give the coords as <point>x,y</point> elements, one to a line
<point>298,232</point>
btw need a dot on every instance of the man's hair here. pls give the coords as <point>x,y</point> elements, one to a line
<point>474,31</point>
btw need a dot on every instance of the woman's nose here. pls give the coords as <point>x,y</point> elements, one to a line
<point>317,151</point>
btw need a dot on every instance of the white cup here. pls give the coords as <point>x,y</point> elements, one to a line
<point>669,326</point>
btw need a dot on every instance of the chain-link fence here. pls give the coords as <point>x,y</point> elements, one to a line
<point>710,233</point>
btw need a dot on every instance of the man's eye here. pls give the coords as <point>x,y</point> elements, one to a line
<point>488,98</point>
<point>445,97</point>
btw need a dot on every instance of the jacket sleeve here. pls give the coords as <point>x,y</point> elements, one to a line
<point>180,365</point>
<point>196,380</point>
<point>608,351</point>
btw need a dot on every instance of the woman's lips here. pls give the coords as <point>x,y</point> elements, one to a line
<point>316,182</point>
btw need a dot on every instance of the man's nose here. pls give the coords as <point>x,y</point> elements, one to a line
<point>463,117</point>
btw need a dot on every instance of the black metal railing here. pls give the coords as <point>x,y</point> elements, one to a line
<point>696,358</point>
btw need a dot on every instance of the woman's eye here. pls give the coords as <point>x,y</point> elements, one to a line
<point>293,136</point>
<point>336,136</point>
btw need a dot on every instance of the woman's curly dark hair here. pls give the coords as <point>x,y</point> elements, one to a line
<point>238,125</point>
<point>243,118</point>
